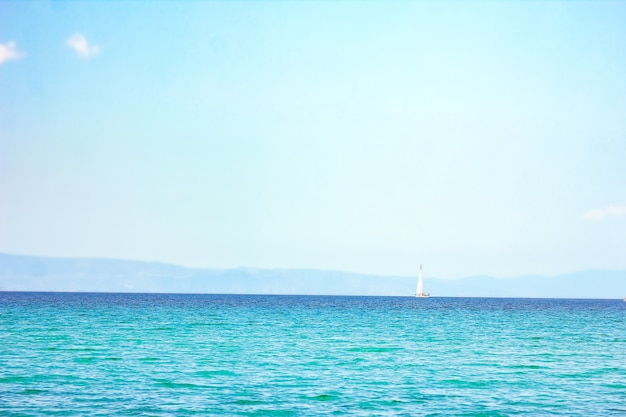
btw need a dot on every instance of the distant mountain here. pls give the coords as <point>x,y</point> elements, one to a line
<point>34,273</point>
<point>583,284</point>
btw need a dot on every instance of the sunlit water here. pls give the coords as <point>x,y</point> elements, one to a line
<point>157,355</point>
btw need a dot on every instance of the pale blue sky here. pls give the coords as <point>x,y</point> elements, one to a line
<point>365,136</point>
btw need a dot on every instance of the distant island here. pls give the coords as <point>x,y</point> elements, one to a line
<point>36,273</point>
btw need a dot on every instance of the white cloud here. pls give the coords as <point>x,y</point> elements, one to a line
<point>80,45</point>
<point>8,51</point>
<point>602,213</point>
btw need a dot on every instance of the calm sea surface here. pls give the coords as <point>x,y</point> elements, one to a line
<point>175,355</point>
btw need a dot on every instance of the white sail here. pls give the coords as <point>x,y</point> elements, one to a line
<point>420,283</point>
<point>419,292</point>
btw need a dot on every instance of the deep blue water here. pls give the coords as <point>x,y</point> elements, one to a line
<point>161,355</point>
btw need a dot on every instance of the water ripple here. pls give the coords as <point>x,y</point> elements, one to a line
<point>164,355</point>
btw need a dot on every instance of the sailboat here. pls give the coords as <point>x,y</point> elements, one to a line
<point>419,292</point>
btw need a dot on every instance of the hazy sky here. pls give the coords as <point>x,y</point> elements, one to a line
<point>474,137</point>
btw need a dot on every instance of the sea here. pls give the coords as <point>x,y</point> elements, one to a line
<point>83,354</point>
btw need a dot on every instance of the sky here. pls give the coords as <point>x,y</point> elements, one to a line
<point>476,138</point>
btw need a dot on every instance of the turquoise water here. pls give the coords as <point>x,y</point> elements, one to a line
<point>172,355</point>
